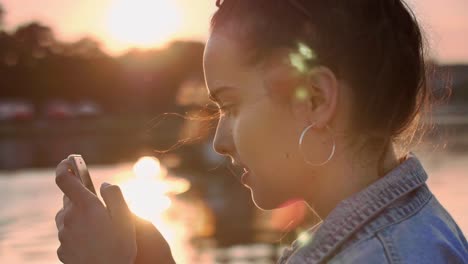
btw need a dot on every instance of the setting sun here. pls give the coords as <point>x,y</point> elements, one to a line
<point>143,23</point>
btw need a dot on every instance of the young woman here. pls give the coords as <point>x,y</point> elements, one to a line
<point>316,98</point>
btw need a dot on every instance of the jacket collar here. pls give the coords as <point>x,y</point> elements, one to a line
<point>354,212</point>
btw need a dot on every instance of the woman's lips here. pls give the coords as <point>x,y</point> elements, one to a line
<point>244,177</point>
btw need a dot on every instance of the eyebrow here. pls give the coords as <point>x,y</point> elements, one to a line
<point>214,96</point>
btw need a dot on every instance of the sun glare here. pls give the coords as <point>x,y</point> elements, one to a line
<point>148,191</point>
<point>143,23</point>
<point>147,168</point>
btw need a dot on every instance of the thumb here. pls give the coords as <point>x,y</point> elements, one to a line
<point>117,207</point>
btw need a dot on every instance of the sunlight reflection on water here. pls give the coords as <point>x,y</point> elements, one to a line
<point>147,191</point>
<point>30,200</point>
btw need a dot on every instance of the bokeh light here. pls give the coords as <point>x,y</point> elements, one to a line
<point>302,57</point>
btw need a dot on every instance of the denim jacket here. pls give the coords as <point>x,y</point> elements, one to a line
<point>394,220</point>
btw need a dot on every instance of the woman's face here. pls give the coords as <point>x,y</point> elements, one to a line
<point>255,130</point>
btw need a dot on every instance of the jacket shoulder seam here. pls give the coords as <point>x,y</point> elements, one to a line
<point>399,220</point>
<point>389,249</point>
<point>387,243</point>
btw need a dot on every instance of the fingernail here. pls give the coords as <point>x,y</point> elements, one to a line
<point>105,184</point>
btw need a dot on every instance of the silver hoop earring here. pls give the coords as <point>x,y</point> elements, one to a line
<point>301,139</point>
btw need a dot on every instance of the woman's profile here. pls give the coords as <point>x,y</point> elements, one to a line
<point>317,102</point>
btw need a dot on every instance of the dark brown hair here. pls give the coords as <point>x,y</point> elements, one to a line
<point>376,46</point>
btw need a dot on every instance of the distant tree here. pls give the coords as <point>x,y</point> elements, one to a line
<point>2,15</point>
<point>155,76</point>
<point>86,47</point>
<point>36,67</point>
<point>34,35</point>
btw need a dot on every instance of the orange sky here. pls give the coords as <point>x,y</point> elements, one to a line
<point>445,22</point>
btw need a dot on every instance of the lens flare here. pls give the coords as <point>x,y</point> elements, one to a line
<point>297,60</point>
<point>302,94</point>
<point>300,59</point>
<point>304,238</point>
<point>306,51</point>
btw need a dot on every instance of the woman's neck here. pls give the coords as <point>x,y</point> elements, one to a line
<point>347,175</point>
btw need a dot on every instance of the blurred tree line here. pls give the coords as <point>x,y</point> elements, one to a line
<point>36,67</point>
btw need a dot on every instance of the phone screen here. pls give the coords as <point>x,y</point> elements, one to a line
<point>80,169</point>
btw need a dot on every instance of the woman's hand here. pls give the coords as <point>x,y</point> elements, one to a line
<point>88,231</point>
<point>152,247</point>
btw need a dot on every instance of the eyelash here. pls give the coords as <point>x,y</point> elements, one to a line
<point>227,109</point>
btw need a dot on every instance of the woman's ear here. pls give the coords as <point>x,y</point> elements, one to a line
<point>314,101</point>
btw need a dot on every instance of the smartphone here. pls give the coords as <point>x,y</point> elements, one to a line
<point>80,169</point>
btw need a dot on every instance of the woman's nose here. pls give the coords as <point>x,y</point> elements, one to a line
<point>223,143</point>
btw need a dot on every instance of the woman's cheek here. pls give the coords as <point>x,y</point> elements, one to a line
<point>249,132</point>
<point>257,136</point>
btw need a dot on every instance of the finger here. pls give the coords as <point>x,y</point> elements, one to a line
<point>59,218</point>
<point>70,215</point>
<point>61,254</point>
<point>66,201</point>
<point>117,207</point>
<point>146,237</point>
<point>71,185</point>
<point>61,236</point>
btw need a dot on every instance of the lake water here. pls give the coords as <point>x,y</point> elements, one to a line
<point>30,200</point>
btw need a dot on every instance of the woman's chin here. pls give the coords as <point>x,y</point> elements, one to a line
<point>270,201</point>
<point>263,197</point>
<point>264,206</point>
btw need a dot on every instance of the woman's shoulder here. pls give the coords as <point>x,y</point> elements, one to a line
<point>414,229</point>
<point>395,219</point>
<point>408,233</point>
